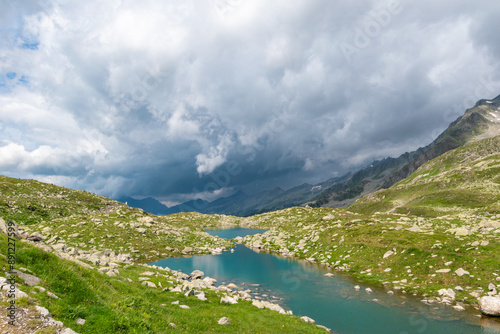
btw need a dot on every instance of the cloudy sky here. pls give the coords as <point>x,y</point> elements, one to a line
<point>177,99</point>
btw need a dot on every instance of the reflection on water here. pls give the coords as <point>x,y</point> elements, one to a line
<point>331,301</point>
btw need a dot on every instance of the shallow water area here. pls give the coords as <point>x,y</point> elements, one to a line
<point>330,301</point>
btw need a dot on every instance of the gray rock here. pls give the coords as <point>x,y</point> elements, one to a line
<point>80,321</point>
<point>184,307</point>
<point>68,331</point>
<point>36,236</point>
<point>224,321</point>
<point>30,280</point>
<point>43,311</point>
<point>51,295</point>
<point>490,306</point>
<point>141,230</point>
<point>491,286</point>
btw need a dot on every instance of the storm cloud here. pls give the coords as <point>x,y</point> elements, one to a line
<point>199,98</point>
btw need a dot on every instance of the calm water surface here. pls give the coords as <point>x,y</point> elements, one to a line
<point>332,302</point>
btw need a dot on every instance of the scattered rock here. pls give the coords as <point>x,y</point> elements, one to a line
<point>184,307</point>
<point>329,275</point>
<point>141,230</point>
<point>443,270</point>
<point>224,321</point>
<point>368,290</point>
<point>357,287</point>
<point>80,321</point>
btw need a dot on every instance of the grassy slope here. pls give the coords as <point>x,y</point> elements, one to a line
<point>114,305</point>
<point>465,180</point>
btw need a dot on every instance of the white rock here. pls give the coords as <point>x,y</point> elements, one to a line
<point>461,272</point>
<point>491,287</point>
<point>357,287</point>
<point>368,290</point>
<point>387,254</point>
<point>224,321</point>
<point>307,319</point>
<point>258,304</point>
<point>184,307</point>
<point>387,270</point>
<point>80,321</point>
<point>228,300</point>
<point>459,308</point>
<point>443,270</point>
<point>148,283</point>
<point>490,305</point>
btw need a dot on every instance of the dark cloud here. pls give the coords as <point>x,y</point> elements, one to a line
<point>173,100</point>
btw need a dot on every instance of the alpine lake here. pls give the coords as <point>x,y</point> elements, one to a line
<point>333,302</point>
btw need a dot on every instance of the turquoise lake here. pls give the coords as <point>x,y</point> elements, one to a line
<point>330,301</point>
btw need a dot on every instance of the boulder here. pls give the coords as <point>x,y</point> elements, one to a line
<point>197,274</point>
<point>490,306</point>
<point>36,236</point>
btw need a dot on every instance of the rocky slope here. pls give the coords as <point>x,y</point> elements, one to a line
<point>481,121</point>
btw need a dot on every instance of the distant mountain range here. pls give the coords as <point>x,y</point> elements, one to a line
<point>481,121</point>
